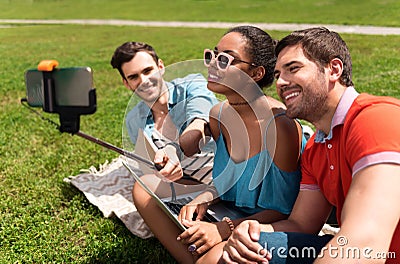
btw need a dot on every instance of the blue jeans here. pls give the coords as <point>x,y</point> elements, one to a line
<point>288,248</point>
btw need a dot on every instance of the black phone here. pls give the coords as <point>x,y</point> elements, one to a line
<point>71,86</point>
<point>68,92</point>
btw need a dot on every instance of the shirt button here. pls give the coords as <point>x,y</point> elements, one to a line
<point>329,146</point>
<point>331,167</point>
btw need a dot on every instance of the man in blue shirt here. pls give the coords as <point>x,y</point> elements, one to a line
<point>176,110</point>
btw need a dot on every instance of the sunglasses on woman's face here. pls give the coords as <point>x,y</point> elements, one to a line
<point>224,60</point>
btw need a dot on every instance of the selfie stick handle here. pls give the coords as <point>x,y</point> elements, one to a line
<point>127,154</point>
<point>116,149</point>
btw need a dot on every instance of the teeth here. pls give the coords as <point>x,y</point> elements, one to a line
<point>291,95</point>
<point>212,76</point>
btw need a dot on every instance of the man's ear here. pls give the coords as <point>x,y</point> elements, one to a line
<point>336,69</point>
<point>161,66</point>
<point>125,82</point>
<point>258,73</point>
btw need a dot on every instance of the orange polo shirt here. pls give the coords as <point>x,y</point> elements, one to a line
<point>365,131</point>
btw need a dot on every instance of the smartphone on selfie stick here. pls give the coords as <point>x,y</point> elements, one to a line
<point>68,92</point>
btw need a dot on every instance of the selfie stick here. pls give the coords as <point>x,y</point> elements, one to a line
<point>117,149</point>
<point>97,141</point>
<point>70,115</point>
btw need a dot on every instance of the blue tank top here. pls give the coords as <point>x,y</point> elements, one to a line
<point>255,184</point>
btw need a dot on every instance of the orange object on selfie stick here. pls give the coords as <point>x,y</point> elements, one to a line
<point>47,65</point>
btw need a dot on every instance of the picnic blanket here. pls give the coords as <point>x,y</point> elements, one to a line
<point>110,189</point>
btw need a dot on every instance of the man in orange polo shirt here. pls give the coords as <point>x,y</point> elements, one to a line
<point>352,162</point>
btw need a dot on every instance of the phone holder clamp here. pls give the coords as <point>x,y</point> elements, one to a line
<point>69,115</point>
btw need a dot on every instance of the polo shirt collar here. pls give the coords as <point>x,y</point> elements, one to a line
<point>347,99</point>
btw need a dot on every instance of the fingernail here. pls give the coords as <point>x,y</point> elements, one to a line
<point>178,238</point>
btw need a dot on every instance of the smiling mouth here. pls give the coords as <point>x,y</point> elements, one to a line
<point>291,95</point>
<point>144,87</point>
<point>213,77</point>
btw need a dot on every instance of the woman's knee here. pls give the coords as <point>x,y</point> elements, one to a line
<point>139,195</point>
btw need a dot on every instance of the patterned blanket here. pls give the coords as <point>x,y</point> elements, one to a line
<point>110,189</point>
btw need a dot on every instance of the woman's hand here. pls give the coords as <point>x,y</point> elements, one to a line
<point>198,205</point>
<point>187,212</point>
<point>202,236</point>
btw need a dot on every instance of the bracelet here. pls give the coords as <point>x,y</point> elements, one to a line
<point>179,151</point>
<point>229,222</point>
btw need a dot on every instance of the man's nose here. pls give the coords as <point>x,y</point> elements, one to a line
<point>144,78</point>
<point>282,81</point>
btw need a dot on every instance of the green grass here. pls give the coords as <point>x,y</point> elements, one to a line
<point>43,219</point>
<point>367,12</point>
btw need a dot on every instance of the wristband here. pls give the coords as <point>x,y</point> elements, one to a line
<point>179,151</point>
<point>229,222</point>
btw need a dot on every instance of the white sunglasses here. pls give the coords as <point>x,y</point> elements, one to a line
<point>224,60</point>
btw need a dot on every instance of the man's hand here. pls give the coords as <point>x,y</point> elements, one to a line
<point>243,247</point>
<point>169,161</point>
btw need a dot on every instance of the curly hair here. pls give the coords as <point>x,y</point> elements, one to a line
<point>261,49</point>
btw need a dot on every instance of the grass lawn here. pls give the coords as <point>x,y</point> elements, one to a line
<point>43,219</point>
<point>367,12</point>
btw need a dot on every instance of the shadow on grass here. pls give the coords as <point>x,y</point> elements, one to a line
<point>114,242</point>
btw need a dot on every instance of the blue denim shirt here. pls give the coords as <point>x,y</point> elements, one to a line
<point>189,98</point>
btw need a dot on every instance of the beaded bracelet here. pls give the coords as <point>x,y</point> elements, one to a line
<point>229,222</point>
